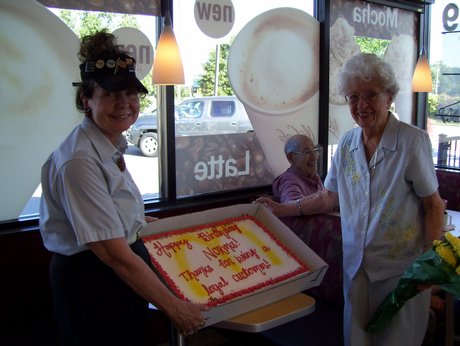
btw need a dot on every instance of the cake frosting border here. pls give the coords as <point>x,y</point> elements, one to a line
<point>303,267</point>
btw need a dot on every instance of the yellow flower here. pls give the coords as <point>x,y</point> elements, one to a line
<point>454,241</point>
<point>447,254</point>
<point>458,270</point>
<point>436,242</point>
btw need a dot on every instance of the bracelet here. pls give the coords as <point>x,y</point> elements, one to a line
<point>299,206</point>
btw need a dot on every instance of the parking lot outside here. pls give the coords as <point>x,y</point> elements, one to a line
<point>144,171</point>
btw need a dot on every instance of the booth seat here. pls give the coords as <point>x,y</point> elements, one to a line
<point>449,187</point>
<point>323,234</point>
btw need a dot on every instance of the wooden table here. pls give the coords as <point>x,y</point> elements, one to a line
<point>264,318</point>
<point>272,315</point>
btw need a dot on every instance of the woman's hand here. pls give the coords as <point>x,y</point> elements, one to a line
<point>187,317</point>
<point>275,207</point>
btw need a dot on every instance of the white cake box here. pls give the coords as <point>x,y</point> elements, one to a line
<point>264,296</point>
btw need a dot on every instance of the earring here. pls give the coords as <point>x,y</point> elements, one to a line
<point>87,112</point>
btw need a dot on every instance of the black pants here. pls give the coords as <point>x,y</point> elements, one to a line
<point>93,306</point>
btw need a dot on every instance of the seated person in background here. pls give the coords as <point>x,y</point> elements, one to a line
<point>301,178</point>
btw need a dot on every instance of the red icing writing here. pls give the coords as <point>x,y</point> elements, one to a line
<point>224,263</point>
<point>195,274</point>
<point>215,233</point>
<point>244,255</point>
<point>216,287</point>
<point>169,248</point>
<point>247,272</point>
<point>220,250</point>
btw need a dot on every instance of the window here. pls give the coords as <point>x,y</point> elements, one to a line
<point>222,151</point>
<point>443,121</point>
<point>190,109</point>
<point>41,68</point>
<point>226,155</point>
<point>222,108</point>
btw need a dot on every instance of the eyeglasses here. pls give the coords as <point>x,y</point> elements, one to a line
<point>130,94</point>
<point>367,97</point>
<point>315,151</point>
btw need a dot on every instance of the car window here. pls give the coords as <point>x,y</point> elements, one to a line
<point>198,108</point>
<point>190,109</point>
<point>186,111</point>
<point>222,108</point>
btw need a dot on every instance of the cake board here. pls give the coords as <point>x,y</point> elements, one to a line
<point>265,296</point>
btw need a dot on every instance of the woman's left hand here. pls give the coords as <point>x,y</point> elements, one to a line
<point>274,207</point>
<point>187,317</point>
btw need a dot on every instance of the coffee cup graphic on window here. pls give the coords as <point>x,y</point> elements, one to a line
<point>273,67</point>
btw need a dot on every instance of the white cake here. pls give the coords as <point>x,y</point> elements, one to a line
<point>216,263</point>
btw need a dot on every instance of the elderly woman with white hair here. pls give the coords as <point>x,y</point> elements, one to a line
<point>383,178</point>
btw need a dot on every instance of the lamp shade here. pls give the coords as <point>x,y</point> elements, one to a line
<point>167,66</point>
<point>421,80</point>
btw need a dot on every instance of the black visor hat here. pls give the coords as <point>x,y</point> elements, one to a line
<point>112,74</point>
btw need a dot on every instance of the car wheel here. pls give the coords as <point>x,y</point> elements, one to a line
<point>149,144</point>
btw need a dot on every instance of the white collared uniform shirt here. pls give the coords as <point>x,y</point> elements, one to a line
<point>85,196</point>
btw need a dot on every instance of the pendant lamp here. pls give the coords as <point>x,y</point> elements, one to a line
<point>422,80</point>
<point>167,66</point>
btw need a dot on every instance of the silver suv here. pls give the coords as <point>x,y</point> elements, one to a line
<point>194,117</point>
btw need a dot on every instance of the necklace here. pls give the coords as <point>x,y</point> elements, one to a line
<point>374,161</point>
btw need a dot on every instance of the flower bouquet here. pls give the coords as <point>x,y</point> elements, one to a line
<point>438,266</point>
